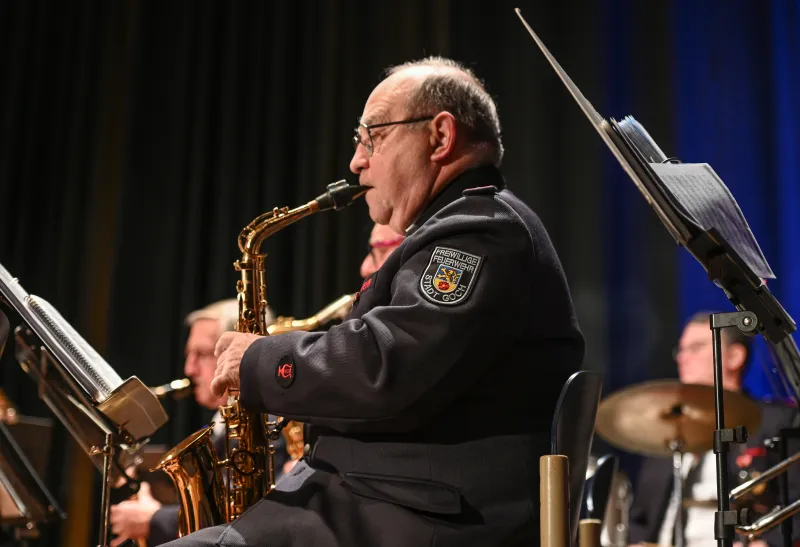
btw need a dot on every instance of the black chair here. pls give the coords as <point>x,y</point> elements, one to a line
<point>572,434</point>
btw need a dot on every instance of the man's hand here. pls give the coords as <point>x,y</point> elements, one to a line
<point>756,543</point>
<point>289,465</point>
<point>229,351</point>
<point>131,519</point>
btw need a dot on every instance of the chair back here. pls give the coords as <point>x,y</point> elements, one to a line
<point>572,433</point>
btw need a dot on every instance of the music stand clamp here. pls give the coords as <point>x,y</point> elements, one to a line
<point>726,520</point>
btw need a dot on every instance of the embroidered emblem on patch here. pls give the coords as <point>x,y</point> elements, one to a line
<point>450,275</point>
<point>285,372</point>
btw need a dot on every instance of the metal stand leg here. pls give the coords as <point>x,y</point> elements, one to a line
<point>724,519</point>
<point>721,531</point>
<point>108,452</point>
<point>677,489</point>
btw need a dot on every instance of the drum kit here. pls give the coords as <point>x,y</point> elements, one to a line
<point>662,418</point>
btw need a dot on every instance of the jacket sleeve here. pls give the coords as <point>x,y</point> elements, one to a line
<point>401,362</point>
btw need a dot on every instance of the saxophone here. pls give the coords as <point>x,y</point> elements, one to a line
<point>206,496</point>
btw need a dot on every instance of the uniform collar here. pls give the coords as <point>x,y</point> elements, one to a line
<point>483,175</point>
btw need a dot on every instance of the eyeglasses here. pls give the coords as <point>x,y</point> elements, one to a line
<point>366,142</point>
<point>691,348</point>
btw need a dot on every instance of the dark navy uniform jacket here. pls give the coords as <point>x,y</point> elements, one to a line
<point>409,364</point>
<point>432,402</point>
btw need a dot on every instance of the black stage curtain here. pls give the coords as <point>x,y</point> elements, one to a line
<point>138,138</point>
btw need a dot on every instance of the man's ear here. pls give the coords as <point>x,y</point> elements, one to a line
<point>444,133</point>
<point>737,354</point>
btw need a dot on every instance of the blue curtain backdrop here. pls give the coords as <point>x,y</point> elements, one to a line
<point>724,91</point>
<point>736,91</point>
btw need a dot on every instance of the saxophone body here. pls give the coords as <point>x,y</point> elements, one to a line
<point>213,490</point>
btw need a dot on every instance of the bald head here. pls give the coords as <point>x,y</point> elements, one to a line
<point>436,84</point>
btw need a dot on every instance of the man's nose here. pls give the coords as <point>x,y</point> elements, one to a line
<point>360,160</point>
<point>190,366</point>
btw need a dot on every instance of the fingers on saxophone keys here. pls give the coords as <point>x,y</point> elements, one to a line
<point>223,342</point>
<point>218,385</point>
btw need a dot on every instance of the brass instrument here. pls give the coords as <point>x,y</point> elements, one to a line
<point>337,309</point>
<point>177,389</point>
<point>205,498</point>
<point>777,514</point>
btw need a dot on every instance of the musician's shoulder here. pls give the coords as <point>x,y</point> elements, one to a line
<point>777,414</point>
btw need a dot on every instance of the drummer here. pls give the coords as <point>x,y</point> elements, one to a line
<point>653,512</point>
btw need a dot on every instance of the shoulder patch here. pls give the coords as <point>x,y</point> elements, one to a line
<point>450,275</point>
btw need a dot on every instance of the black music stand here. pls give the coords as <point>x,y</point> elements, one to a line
<point>111,419</point>
<point>711,227</point>
<point>25,502</point>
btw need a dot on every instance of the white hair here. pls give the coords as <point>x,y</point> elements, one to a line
<point>224,311</point>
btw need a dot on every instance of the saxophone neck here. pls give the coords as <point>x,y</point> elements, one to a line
<point>269,223</point>
<point>337,196</point>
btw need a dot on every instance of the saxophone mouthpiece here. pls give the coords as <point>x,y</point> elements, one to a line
<point>339,195</point>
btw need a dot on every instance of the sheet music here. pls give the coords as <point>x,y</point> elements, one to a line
<point>77,356</point>
<point>642,139</point>
<point>703,194</point>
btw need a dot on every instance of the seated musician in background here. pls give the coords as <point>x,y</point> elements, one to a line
<point>432,407</point>
<point>653,512</point>
<point>144,517</point>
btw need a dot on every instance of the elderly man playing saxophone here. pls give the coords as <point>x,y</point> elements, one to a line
<point>431,407</point>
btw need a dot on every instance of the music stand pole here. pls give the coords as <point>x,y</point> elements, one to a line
<point>724,519</point>
<point>108,452</point>
<point>677,488</point>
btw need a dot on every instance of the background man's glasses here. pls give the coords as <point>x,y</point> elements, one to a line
<point>363,136</point>
<point>689,348</point>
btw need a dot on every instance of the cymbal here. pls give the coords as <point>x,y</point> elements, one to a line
<point>645,418</point>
